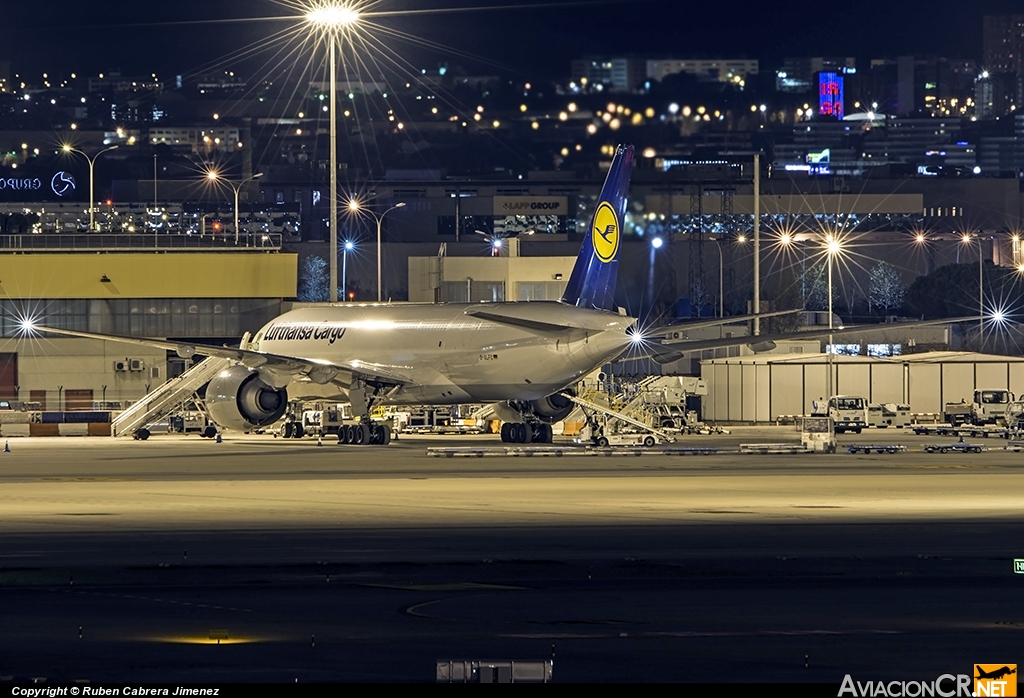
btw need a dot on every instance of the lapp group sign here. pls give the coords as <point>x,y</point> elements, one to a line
<point>531,206</point>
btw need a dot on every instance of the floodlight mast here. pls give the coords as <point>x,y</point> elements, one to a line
<point>331,18</point>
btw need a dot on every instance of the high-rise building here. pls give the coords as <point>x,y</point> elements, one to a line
<point>1002,39</point>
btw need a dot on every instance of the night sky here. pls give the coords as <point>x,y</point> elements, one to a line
<point>534,38</point>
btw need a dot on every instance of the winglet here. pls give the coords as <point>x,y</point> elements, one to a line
<point>592,282</point>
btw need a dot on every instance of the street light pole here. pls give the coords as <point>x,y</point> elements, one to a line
<point>833,246</point>
<point>380,220</point>
<point>92,179</point>
<point>344,267</point>
<point>236,188</point>
<point>331,18</point>
<point>757,242</point>
<point>981,298</point>
<point>334,177</point>
<point>721,276</point>
<point>966,240</point>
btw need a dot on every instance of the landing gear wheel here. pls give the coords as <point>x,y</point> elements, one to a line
<point>288,430</point>
<point>527,434</point>
<point>546,434</point>
<point>382,434</point>
<point>298,431</point>
<point>209,432</point>
<point>141,434</point>
<point>506,432</point>
<point>362,435</point>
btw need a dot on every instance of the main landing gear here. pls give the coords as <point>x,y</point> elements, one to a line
<point>525,433</point>
<point>364,434</point>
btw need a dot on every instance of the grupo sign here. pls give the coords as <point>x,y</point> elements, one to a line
<point>531,206</point>
<point>58,185</point>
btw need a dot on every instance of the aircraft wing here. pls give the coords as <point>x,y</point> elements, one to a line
<point>277,368</point>
<point>672,350</point>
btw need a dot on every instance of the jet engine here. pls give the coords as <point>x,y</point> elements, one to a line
<point>237,398</point>
<point>550,409</point>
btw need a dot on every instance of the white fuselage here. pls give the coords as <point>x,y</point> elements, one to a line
<point>442,353</point>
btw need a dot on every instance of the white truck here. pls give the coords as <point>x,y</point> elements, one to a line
<point>990,406</point>
<point>848,412</point>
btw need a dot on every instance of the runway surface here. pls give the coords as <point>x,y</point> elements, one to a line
<point>333,563</point>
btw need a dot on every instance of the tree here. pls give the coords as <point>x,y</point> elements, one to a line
<point>885,287</point>
<point>952,290</point>
<point>314,285</point>
<point>813,287</point>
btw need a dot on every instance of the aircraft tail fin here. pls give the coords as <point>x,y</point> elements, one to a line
<point>592,282</point>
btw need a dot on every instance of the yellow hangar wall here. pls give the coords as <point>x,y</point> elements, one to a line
<point>148,275</point>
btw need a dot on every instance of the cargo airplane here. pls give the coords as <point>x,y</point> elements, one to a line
<point>521,355</point>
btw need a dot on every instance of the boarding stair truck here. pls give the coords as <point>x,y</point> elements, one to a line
<point>848,412</point>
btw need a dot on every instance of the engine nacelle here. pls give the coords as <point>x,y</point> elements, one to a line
<point>550,409</point>
<point>237,398</point>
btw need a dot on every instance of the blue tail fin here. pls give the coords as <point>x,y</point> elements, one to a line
<point>592,283</point>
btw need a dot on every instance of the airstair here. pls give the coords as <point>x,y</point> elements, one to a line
<point>168,397</point>
<point>621,416</point>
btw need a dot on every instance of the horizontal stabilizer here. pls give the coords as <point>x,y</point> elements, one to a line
<point>543,317</point>
<point>677,332</point>
<point>538,326</point>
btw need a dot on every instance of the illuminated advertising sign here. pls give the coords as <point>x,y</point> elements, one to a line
<point>830,95</point>
<point>531,206</point>
<point>51,186</point>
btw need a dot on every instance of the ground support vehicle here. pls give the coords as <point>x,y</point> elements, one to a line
<point>961,446</point>
<point>765,449</point>
<point>188,422</point>
<point>622,439</point>
<point>877,448</point>
<point>961,430</point>
<point>988,406</point>
<point>848,413</point>
<point>818,433</point>
<point>957,413</point>
<point>888,415</point>
<point>447,419</point>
